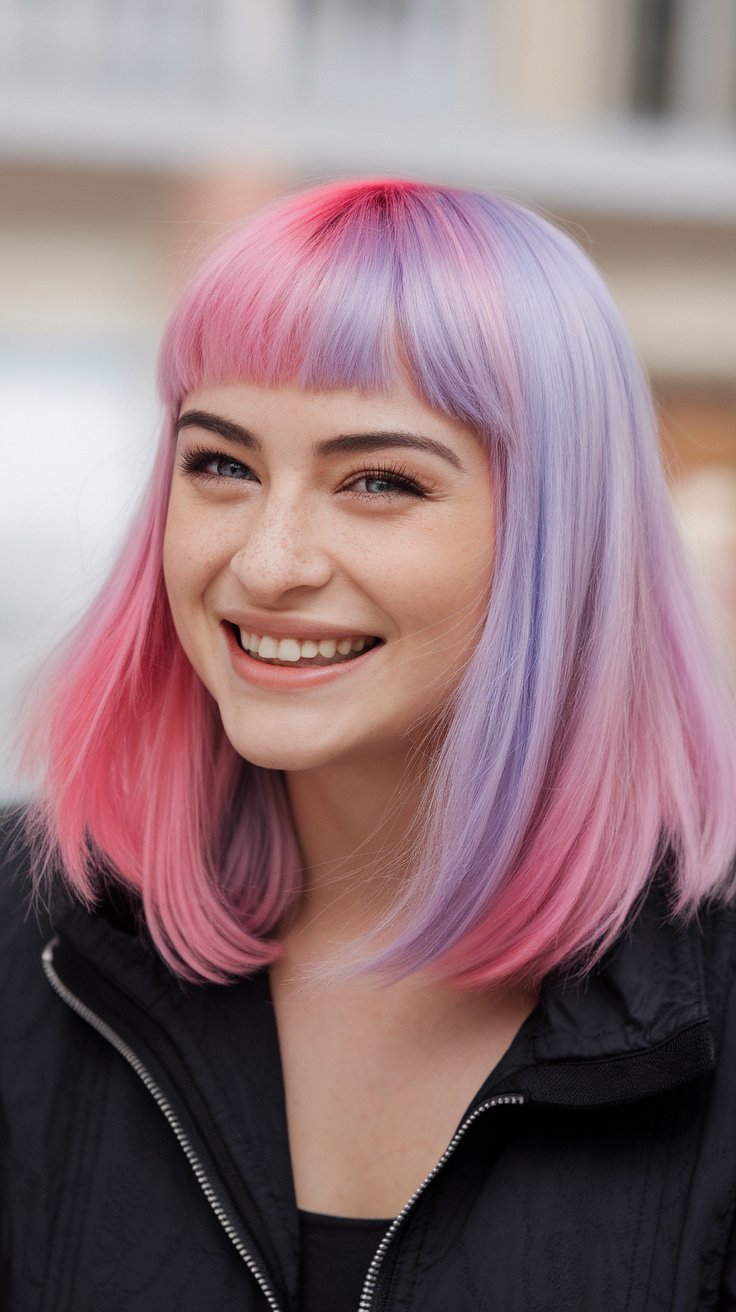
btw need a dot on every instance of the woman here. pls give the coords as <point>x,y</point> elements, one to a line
<point>382,785</point>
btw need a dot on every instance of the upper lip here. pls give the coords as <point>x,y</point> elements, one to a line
<point>280,626</point>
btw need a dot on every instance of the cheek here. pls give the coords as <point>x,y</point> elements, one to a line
<point>438,579</point>
<point>190,562</point>
<point>188,569</point>
<point>179,560</point>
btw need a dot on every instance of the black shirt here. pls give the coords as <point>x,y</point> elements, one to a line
<point>336,1252</point>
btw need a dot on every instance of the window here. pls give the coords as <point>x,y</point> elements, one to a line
<point>685,59</point>
<point>655,28</point>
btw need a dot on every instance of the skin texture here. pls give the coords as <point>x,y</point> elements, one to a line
<point>299,539</point>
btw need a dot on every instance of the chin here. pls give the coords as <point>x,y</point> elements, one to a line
<point>302,747</point>
<point>272,753</point>
<point>287,760</point>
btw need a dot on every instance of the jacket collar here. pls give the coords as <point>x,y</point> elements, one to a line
<point>636,1026</point>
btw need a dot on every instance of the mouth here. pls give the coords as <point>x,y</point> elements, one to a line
<point>301,653</point>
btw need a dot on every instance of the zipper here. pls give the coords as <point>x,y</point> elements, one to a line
<point>369,1288</point>
<point>374,1270</point>
<point>158,1094</point>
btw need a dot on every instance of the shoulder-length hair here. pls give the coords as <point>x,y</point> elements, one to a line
<point>591,733</point>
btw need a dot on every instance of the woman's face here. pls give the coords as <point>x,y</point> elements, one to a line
<point>328,560</point>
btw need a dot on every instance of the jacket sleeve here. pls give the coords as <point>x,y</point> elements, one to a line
<point>727,1293</point>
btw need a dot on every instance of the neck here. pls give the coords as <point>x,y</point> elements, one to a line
<point>353,823</point>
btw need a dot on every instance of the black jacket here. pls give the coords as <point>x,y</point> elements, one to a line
<point>145,1162</point>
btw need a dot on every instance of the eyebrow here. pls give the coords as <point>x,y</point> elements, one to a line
<point>349,444</point>
<point>216,424</point>
<point>357,443</point>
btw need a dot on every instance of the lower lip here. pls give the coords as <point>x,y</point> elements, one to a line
<point>282,678</point>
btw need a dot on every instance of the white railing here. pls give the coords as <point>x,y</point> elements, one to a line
<point>429,87</point>
<point>388,56</point>
<point>368,54</point>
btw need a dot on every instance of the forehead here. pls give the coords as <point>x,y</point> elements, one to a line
<point>298,415</point>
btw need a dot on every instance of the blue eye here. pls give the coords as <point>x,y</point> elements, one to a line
<point>215,464</point>
<point>384,482</point>
<point>379,485</point>
<point>224,467</point>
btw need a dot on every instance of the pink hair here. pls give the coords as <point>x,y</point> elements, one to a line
<point>592,733</point>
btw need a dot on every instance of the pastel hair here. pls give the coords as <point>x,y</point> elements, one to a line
<point>592,733</point>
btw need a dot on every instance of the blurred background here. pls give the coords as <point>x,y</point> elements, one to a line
<point>134,132</point>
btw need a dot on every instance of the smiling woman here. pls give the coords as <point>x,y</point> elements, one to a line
<point>380,789</point>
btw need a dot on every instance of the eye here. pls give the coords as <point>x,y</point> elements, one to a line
<point>384,482</point>
<point>215,464</point>
<point>378,484</point>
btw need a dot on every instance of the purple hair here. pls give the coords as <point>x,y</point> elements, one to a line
<point>591,733</point>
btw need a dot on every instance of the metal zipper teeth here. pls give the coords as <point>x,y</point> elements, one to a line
<point>144,1074</point>
<point>366,1298</point>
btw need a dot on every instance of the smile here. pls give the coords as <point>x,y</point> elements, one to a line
<point>310,652</point>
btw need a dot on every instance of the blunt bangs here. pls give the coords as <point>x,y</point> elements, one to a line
<point>352,287</point>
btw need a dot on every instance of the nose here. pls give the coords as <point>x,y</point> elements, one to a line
<point>282,553</point>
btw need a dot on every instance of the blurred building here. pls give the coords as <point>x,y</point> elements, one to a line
<point>133,133</point>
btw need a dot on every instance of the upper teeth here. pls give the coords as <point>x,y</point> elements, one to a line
<point>289,649</point>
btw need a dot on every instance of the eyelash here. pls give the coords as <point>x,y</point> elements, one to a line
<point>195,460</point>
<point>395,474</point>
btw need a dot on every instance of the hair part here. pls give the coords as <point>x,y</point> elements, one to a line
<point>592,731</point>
